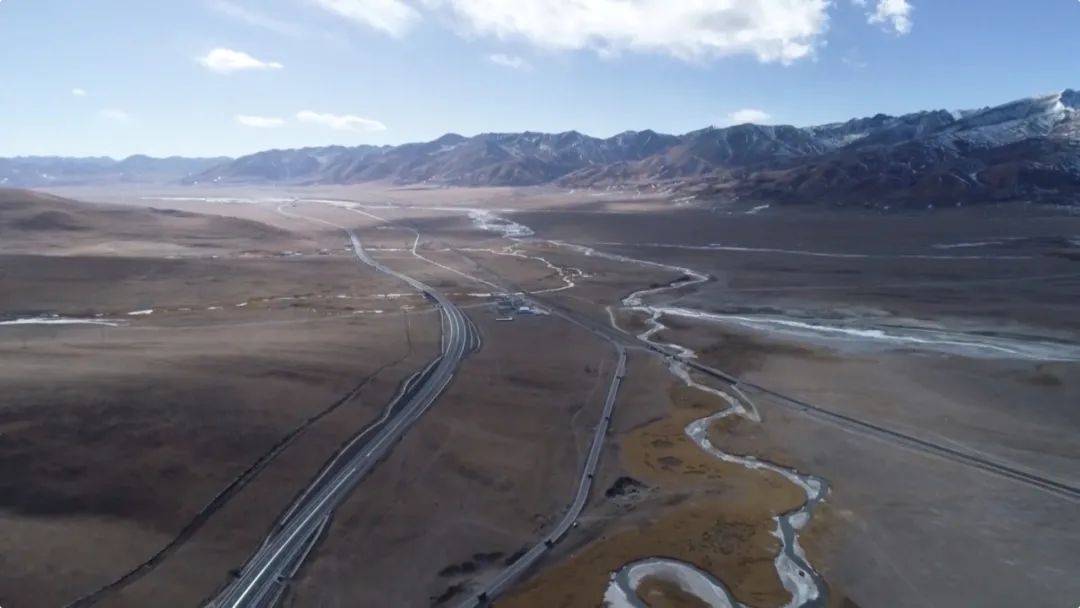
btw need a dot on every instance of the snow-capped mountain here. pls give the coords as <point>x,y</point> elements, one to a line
<point>1025,149</point>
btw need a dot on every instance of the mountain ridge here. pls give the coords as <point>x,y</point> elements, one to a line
<point>38,171</point>
<point>1022,149</point>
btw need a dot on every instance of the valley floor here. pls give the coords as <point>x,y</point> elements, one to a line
<point>185,345</point>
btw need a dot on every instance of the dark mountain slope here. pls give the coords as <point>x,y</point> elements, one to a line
<point>1025,149</point>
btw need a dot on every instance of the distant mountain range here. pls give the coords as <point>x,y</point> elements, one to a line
<point>39,171</point>
<point>1024,150</point>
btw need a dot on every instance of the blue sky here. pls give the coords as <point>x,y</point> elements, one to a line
<point>209,77</point>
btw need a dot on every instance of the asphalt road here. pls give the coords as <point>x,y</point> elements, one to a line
<point>569,519</point>
<point>264,577</point>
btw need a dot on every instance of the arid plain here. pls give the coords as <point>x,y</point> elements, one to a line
<point>850,407</point>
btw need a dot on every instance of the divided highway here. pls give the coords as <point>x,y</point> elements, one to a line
<point>263,579</point>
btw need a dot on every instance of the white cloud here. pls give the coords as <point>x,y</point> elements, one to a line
<point>225,61</point>
<point>255,18</point>
<point>77,92</point>
<point>509,61</point>
<point>261,122</point>
<point>115,115</point>
<point>746,115</point>
<point>341,122</point>
<point>391,16</point>
<point>780,31</point>
<point>770,30</point>
<point>894,14</point>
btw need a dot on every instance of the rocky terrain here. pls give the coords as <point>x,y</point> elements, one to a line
<point>1027,149</point>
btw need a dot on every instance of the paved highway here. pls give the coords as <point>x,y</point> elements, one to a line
<point>264,577</point>
<point>569,519</point>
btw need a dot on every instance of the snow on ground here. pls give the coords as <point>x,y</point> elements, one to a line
<point>56,320</point>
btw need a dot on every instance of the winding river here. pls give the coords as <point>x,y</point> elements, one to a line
<point>806,586</point>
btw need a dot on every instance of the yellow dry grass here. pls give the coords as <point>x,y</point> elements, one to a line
<point>715,515</point>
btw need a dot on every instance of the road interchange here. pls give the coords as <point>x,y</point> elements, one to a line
<point>264,578</point>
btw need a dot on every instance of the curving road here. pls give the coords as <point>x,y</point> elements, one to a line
<point>569,519</point>
<point>263,579</point>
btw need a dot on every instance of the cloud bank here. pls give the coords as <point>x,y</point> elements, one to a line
<point>226,61</point>
<point>770,30</point>
<point>746,115</point>
<point>509,61</point>
<point>341,122</point>
<point>894,15</point>
<point>391,16</point>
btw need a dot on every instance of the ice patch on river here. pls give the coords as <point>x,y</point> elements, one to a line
<point>962,343</point>
<point>814,254</point>
<point>216,199</point>
<point>58,320</point>
<point>622,588</point>
<point>486,220</point>
<point>968,344</point>
<point>805,585</point>
<point>971,245</point>
<point>800,580</point>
